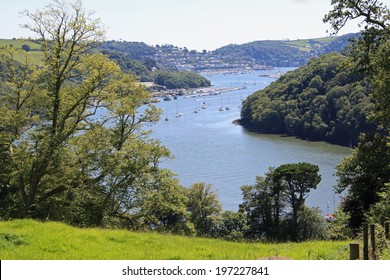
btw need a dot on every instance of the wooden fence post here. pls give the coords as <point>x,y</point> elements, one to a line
<point>365,241</point>
<point>373,245</point>
<point>354,251</point>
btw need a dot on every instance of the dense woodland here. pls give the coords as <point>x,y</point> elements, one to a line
<point>59,161</point>
<point>320,101</point>
<point>285,53</point>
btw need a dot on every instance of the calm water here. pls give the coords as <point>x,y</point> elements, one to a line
<point>208,147</point>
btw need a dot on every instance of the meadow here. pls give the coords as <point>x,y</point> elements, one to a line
<point>35,55</point>
<point>33,240</point>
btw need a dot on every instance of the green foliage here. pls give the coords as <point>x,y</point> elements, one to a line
<point>284,53</point>
<point>165,207</point>
<point>148,70</point>
<point>275,204</point>
<point>297,179</point>
<point>320,101</point>
<point>32,240</point>
<point>263,204</point>
<point>365,174</point>
<point>205,209</point>
<point>311,225</point>
<point>72,138</point>
<point>338,228</point>
<point>26,48</point>
<point>380,211</point>
<point>233,226</point>
<point>381,82</point>
<point>135,50</point>
<point>173,80</point>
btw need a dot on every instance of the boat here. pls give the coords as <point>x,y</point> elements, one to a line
<point>178,114</point>
<point>168,97</point>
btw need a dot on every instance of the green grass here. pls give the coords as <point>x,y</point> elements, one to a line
<point>17,43</point>
<point>304,44</point>
<point>32,240</point>
<point>34,55</point>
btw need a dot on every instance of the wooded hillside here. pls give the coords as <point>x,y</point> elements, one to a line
<point>320,101</point>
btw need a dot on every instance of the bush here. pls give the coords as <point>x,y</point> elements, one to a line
<point>26,47</point>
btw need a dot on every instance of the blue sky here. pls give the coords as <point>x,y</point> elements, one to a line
<point>195,24</point>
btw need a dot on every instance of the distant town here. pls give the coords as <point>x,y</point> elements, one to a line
<point>206,61</point>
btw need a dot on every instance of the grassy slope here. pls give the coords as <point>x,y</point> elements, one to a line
<point>30,240</point>
<point>304,45</point>
<point>34,55</point>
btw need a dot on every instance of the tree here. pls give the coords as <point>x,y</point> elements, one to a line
<point>311,224</point>
<point>67,35</point>
<point>365,172</point>
<point>26,47</point>
<point>375,25</point>
<point>297,179</point>
<point>72,130</point>
<point>233,225</point>
<point>371,50</point>
<point>165,207</point>
<point>205,209</point>
<point>263,204</point>
<point>364,175</point>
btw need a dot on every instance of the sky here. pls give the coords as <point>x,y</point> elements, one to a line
<point>195,24</point>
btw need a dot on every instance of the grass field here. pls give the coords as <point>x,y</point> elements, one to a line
<point>310,44</point>
<point>32,240</point>
<point>34,55</point>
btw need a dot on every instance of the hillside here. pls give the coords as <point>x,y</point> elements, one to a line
<point>32,51</point>
<point>319,101</point>
<point>285,53</point>
<point>31,240</point>
<point>141,58</point>
<point>132,57</point>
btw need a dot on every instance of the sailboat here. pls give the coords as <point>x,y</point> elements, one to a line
<point>196,109</point>
<point>221,108</point>
<point>178,114</point>
<point>228,106</point>
<point>166,114</point>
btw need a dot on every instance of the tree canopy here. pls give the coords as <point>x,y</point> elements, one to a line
<point>275,205</point>
<point>319,101</point>
<point>73,143</point>
<point>365,174</point>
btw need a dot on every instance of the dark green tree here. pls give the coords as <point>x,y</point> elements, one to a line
<point>365,173</point>
<point>263,204</point>
<point>164,207</point>
<point>26,47</point>
<point>233,225</point>
<point>297,179</point>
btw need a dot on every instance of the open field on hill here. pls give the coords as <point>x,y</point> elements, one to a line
<point>34,54</point>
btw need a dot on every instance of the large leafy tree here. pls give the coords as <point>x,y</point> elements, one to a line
<point>72,130</point>
<point>205,209</point>
<point>297,179</point>
<point>366,172</point>
<point>264,204</point>
<point>275,204</point>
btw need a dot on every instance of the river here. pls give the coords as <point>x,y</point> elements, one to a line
<point>208,147</point>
